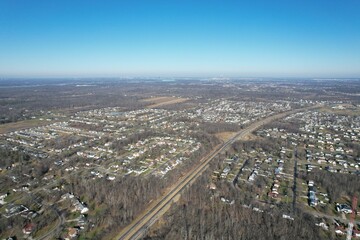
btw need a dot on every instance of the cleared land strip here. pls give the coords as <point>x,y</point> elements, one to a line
<point>162,101</point>
<point>14,126</point>
<point>139,226</point>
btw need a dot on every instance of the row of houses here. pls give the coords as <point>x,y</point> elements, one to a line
<point>236,112</point>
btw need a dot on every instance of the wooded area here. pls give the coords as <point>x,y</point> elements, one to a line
<point>200,215</point>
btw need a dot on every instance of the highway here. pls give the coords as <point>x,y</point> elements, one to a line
<point>139,226</point>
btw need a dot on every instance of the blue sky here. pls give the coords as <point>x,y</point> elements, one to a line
<point>287,38</point>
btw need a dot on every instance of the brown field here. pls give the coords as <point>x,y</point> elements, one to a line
<point>162,101</point>
<point>350,110</point>
<point>14,126</point>
<point>224,136</point>
<point>251,137</point>
<point>155,99</point>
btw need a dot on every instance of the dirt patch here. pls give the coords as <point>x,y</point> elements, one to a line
<point>250,137</point>
<point>177,197</point>
<point>224,136</point>
<point>156,99</point>
<point>162,101</point>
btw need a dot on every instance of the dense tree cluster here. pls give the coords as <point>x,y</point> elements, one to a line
<point>267,145</point>
<point>201,215</point>
<point>9,157</point>
<point>348,185</point>
<point>24,101</point>
<point>213,128</point>
<point>116,203</point>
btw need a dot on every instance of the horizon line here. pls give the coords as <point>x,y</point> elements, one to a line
<point>176,77</point>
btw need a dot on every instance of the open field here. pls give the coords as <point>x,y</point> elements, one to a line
<point>224,136</point>
<point>348,110</point>
<point>9,127</point>
<point>162,101</point>
<point>251,137</point>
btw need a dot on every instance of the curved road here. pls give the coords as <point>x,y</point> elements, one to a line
<point>139,226</point>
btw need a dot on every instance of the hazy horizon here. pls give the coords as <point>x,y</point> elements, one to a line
<point>180,38</point>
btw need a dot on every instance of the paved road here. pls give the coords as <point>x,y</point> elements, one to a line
<point>139,226</point>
